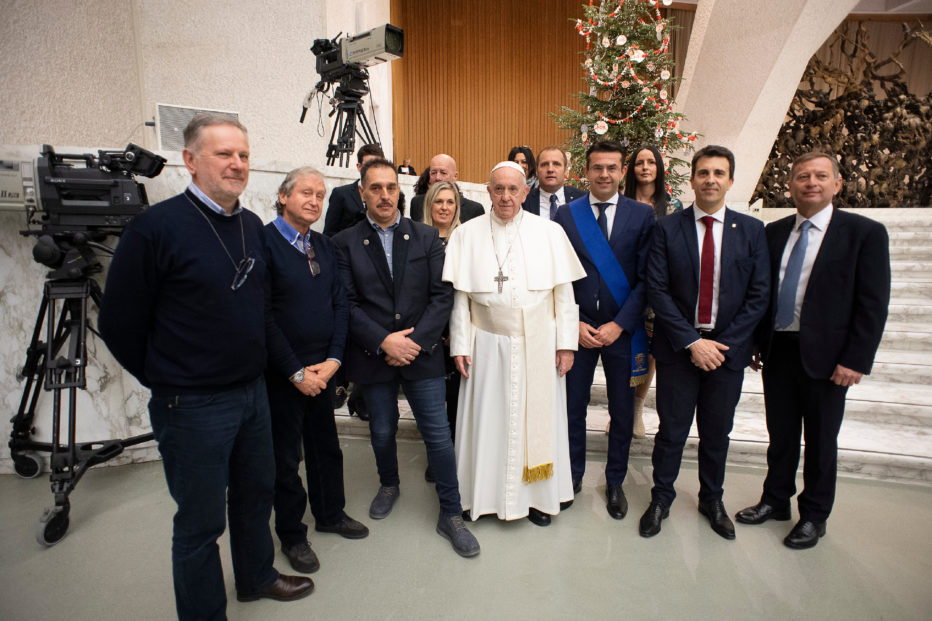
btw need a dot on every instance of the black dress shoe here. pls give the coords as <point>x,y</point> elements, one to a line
<point>577,486</point>
<point>284,589</point>
<point>566,504</point>
<point>650,521</point>
<point>302,557</point>
<point>429,475</point>
<point>760,513</point>
<point>718,518</point>
<point>538,517</point>
<point>356,405</point>
<point>347,528</point>
<point>616,504</point>
<point>804,535</point>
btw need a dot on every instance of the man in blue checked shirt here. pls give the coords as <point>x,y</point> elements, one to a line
<point>309,308</point>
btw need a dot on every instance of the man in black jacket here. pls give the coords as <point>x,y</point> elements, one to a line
<point>443,168</point>
<point>399,307</point>
<point>831,275</point>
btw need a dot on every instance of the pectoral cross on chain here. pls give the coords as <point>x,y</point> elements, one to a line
<point>500,279</point>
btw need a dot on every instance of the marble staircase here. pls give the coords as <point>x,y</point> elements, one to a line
<point>887,431</point>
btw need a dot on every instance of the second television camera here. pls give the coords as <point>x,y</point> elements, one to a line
<point>343,64</point>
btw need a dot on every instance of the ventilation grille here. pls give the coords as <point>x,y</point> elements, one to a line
<point>173,119</point>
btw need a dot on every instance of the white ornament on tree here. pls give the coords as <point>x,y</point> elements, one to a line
<point>600,127</point>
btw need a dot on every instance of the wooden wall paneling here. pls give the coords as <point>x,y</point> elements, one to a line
<point>480,77</point>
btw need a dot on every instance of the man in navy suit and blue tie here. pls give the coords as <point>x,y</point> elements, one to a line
<point>550,194</point>
<point>611,236</point>
<point>708,278</point>
<point>831,275</point>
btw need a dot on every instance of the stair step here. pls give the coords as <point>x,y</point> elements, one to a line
<point>902,311</point>
<point>867,449</point>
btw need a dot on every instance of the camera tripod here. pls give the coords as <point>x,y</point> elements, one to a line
<point>58,365</point>
<point>348,110</point>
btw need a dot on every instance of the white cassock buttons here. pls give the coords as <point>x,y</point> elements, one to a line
<point>365,242</point>
<point>406,237</point>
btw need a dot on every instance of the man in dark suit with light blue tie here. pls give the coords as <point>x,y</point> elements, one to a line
<point>399,307</point>
<point>831,275</point>
<point>611,236</point>
<point>709,284</point>
<point>550,194</point>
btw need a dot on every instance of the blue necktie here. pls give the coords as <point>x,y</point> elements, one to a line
<point>786,300</point>
<point>553,206</point>
<point>603,221</point>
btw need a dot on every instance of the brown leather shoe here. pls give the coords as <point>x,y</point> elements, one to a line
<point>284,589</point>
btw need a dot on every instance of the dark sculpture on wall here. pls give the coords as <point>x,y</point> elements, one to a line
<point>884,142</point>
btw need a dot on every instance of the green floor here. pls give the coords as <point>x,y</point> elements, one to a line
<point>874,563</point>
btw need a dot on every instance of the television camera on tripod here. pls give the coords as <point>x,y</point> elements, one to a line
<point>75,210</point>
<point>343,63</point>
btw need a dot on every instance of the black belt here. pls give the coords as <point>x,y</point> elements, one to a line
<point>705,334</point>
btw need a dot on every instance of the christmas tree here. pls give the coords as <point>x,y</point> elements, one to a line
<point>629,70</point>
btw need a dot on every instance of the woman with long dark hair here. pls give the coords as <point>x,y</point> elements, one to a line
<point>645,181</point>
<point>524,157</point>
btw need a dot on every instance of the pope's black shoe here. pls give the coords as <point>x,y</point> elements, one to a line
<point>650,521</point>
<point>577,486</point>
<point>760,513</point>
<point>718,518</point>
<point>616,503</point>
<point>538,517</point>
<point>804,535</point>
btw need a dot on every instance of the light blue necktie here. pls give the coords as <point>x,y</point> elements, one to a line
<point>786,300</point>
<point>553,206</point>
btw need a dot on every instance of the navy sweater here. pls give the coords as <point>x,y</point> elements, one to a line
<point>311,312</point>
<point>169,314</point>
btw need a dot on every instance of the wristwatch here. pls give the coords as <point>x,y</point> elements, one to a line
<point>297,378</point>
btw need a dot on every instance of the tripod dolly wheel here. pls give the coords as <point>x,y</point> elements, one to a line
<point>27,465</point>
<point>53,525</point>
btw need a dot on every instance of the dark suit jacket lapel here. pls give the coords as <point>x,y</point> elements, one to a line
<point>688,232</point>
<point>376,255</point>
<point>776,256</point>
<point>831,241</point>
<point>400,254</point>
<point>620,221</point>
<point>730,235</point>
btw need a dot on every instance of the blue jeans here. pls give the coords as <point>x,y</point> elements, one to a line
<point>217,454</point>
<point>427,399</point>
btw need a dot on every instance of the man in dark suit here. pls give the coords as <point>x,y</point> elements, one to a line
<point>399,305</point>
<point>443,168</point>
<point>708,283</point>
<point>345,207</point>
<point>550,193</point>
<point>611,236</point>
<point>831,274</point>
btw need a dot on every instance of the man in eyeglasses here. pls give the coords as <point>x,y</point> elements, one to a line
<point>513,337</point>
<point>309,308</point>
<point>399,306</point>
<point>185,312</point>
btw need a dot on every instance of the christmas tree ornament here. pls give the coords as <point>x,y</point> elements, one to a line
<point>621,40</point>
<point>600,127</point>
<point>606,42</point>
<point>664,75</point>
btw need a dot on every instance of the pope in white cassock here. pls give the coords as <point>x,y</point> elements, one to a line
<point>513,331</point>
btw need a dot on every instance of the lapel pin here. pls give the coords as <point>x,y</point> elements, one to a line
<point>365,242</point>
<point>406,237</point>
